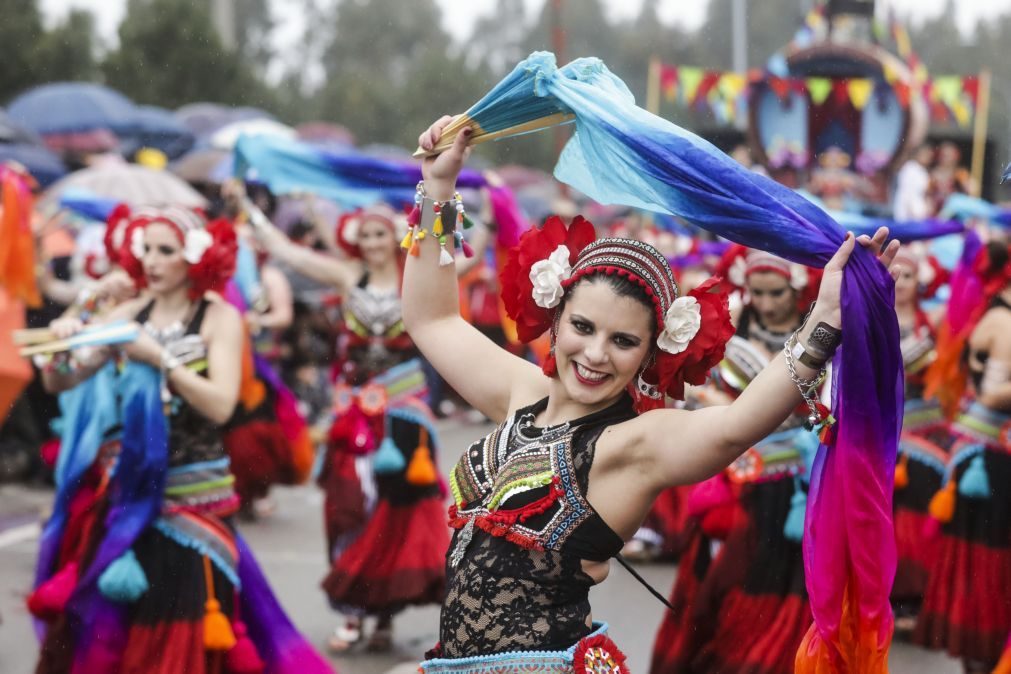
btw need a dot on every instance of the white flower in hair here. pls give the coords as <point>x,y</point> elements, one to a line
<point>137,243</point>
<point>197,243</point>
<point>738,272</point>
<point>798,276</point>
<point>547,276</point>
<point>680,325</point>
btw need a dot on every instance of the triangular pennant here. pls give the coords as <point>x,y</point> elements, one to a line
<point>709,81</point>
<point>948,89</point>
<point>970,85</point>
<point>960,111</point>
<point>669,81</point>
<point>780,87</point>
<point>689,80</point>
<point>840,92</point>
<point>860,91</point>
<point>819,88</point>
<point>731,86</point>
<point>902,92</point>
<point>891,74</point>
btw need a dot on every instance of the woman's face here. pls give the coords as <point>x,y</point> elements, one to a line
<point>772,297</point>
<point>601,342</point>
<point>906,284</point>
<point>164,267</point>
<point>375,240</point>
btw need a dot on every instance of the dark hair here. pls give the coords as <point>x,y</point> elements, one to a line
<point>622,287</point>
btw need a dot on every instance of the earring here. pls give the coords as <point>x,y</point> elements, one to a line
<point>550,366</point>
<point>645,388</point>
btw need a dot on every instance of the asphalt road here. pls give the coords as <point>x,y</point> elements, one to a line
<point>289,546</point>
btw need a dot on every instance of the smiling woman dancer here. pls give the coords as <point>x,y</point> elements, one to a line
<point>544,501</point>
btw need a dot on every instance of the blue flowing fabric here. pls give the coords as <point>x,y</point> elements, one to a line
<point>905,231</point>
<point>622,154</point>
<point>963,206</point>
<point>352,180</point>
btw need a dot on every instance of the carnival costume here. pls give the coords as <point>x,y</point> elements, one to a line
<point>518,597</point>
<point>966,606</point>
<point>386,540</point>
<point>923,448</point>
<point>743,566</point>
<point>140,568</point>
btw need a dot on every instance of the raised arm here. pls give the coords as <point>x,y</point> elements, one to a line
<point>339,274</point>
<point>486,375</point>
<point>679,447</point>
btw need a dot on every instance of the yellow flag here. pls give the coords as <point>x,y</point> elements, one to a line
<point>860,91</point>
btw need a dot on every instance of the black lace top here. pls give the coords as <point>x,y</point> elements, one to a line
<point>514,569</point>
<point>192,436</point>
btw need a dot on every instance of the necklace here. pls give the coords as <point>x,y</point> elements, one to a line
<point>546,435</point>
<point>772,340</point>
<point>172,332</point>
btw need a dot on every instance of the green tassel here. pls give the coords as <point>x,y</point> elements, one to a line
<point>123,580</point>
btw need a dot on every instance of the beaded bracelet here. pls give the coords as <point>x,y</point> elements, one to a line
<point>440,231</point>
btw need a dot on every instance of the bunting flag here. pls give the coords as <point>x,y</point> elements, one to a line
<point>621,154</point>
<point>952,98</point>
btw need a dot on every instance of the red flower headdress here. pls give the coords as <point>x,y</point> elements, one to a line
<point>931,276</point>
<point>209,248</point>
<point>692,330</point>
<point>350,224</point>
<point>738,262</point>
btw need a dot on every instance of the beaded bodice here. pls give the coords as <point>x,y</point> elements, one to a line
<point>524,526</point>
<point>192,436</point>
<point>375,339</point>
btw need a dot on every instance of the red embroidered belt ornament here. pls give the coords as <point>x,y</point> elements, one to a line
<point>598,654</point>
<point>357,409</point>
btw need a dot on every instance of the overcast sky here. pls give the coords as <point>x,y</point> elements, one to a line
<point>460,14</point>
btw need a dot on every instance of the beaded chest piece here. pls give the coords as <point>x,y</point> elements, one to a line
<point>502,470</point>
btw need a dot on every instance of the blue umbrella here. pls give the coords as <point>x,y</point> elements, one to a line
<point>161,129</point>
<point>68,107</point>
<point>12,132</point>
<point>44,166</point>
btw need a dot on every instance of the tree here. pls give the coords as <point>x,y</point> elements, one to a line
<point>68,51</point>
<point>170,54</point>
<point>254,23</point>
<point>20,34</point>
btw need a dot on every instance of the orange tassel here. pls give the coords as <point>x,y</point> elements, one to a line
<point>218,634</point>
<point>902,472</point>
<point>421,470</point>
<point>1004,666</point>
<point>415,249</point>
<point>942,506</point>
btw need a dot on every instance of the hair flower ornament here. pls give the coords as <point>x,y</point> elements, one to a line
<point>681,323</point>
<point>196,244</point>
<point>137,244</point>
<point>547,276</point>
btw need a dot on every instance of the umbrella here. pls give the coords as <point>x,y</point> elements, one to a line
<point>204,166</point>
<point>12,132</point>
<point>160,129</point>
<point>203,119</point>
<point>324,133</point>
<point>69,107</point>
<point>130,183</point>
<point>226,137</point>
<point>44,166</point>
<point>622,154</point>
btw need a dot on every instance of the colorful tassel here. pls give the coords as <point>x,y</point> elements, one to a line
<point>243,657</point>
<point>942,506</point>
<point>550,366</point>
<point>421,470</point>
<point>437,229</point>
<point>124,580</point>
<point>414,217</point>
<point>793,528</point>
<point>445,259</point>
<point>405,243</point>
<point>415,248</point>
<point>975,483</point>
<point>218,635</point>
<point>388,458</point>
<point>467,250</point>
<point>49,599</point>
<point>902,472</point>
